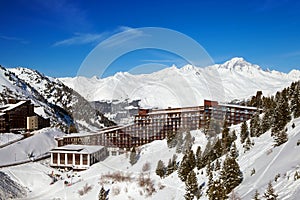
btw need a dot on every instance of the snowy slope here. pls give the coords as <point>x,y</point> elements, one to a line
<point>37,145</point>
<point>267,161</point>
<point>187,86</point>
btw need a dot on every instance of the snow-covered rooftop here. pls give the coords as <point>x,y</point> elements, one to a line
<point>9,107</point>
<point>78,148</point>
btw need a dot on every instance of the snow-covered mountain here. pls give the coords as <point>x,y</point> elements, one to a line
<point>187,86</point>
<point>50,97</point>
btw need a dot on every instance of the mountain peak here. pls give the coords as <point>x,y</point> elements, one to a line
<point>238,63</point>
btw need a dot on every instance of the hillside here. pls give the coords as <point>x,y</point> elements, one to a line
<point>268,161</point>
<point>50,97</point>
<point>235,79</point>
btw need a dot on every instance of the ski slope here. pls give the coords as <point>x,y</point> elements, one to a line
<point>263,157</point>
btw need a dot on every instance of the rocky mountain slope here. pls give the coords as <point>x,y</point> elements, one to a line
<point>61,104</point>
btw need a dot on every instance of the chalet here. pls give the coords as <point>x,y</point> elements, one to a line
<point>77,157</point>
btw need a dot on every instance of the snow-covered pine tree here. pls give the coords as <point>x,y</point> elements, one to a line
<point>170,168</point>
<point>282,112</point>
<point>191,185</point>
<point>171,138</point>
<point>187,142</point>
<point>270,193</point>
<point>295,99</point>
<point>247,145</point>
<point>255,126</point>
<point>179,138</point>
<point>233,151</point>
<point>187,164</point>
<point>244,131</point>
<point>231,174</point>
<point>225,136</point>
<point>160,169</point>
<point>217,165</point>
<point>216,191</point>
<point>102,194</point>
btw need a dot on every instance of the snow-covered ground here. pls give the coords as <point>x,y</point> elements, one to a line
<point>35,146</point>
<point>263,157</point>
<point>187,86</point>
<point>6,138</point>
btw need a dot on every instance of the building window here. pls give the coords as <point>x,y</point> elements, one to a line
<point>62,158</point>
<point>84,159</point>
<point>70,158</point>
<point>77,159</point>
<point>54,158</point>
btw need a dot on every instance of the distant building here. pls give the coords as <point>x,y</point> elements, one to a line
<point>77,156</point>
<point>154,124</point>
<point>13,117</point>
<point>37,122</point>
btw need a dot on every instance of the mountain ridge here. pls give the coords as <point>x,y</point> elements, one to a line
<point>236,78</point>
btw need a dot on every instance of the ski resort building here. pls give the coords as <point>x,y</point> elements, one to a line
<point>77,156</point>
<point>14,117</point>
<point>154,124</point>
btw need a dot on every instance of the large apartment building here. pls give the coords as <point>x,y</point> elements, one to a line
<point>154,124</point>
<point>19,115</point>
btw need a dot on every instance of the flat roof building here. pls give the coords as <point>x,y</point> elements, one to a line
<point>77,156</point>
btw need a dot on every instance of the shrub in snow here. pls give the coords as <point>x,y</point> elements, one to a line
<point>146,167</point>
<point>115,190</point>
<point>86,188</point>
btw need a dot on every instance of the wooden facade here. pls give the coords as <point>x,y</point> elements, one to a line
<point>150,125</point>
<point>13,116</point>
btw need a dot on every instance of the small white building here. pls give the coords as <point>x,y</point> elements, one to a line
<point>77,156</point>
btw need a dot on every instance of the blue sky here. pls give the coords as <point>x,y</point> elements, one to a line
<point>55,36</point>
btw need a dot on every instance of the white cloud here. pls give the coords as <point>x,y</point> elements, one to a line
<point>81,38</point>
<point>4,37</point>
<point>95,38</point>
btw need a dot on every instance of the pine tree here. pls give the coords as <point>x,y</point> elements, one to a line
<point>225,137</point>
<point>233,151</point>
<point>187,164</point>
<point>280,138</point>
<point>282,113</point>
<point>256,195</point>
<point>218,150</point>
<point>231,174</point>
<point>216,191</point>
<point>217,165</point>
<point>170,168</point>
<point>171,139</point>
<point>248,144</point>
<point>255,126</point>
<point>187,142</point>
<point>199,158</point>
<point>102,194</point>
<point>244,131</point>
<point>179,138</point>
<point>295,99</point>
<point>160,169</point>
<point>133,156</point>
<point>191,186</point>
<point>270,193</point>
